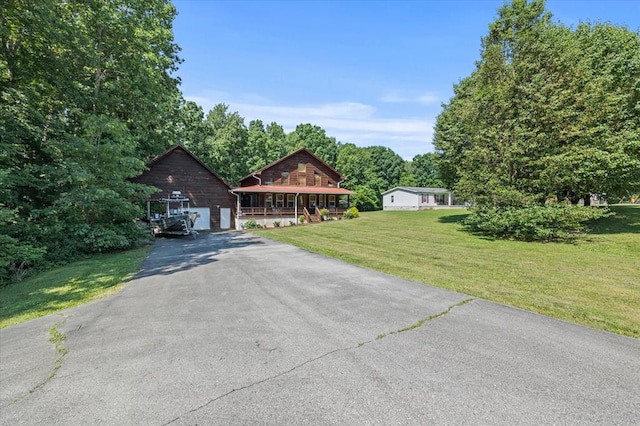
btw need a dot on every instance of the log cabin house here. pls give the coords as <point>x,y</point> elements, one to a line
<point>208,194</point>
<point>299,184</point>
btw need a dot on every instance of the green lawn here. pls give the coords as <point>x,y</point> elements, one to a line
<point>71,285</point>
<point>594,281</point>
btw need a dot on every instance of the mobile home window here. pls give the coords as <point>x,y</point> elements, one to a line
<point>392,198</point>
<point>425,198</point>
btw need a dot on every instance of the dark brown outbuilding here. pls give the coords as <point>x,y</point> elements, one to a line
<point>180,170</point>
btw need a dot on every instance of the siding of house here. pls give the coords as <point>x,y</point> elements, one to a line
<point>297,176</point>
<point>177,169</point>
<point>402,200</point>
<point>414,198</point>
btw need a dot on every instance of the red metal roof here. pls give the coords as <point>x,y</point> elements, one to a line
<point>282,189</point>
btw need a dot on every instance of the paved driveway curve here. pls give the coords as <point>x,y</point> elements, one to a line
<point>236,329</point>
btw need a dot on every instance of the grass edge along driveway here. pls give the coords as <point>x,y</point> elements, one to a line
<point>593,281</point>
<point>68,286</point>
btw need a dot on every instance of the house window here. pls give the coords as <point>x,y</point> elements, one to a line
<point>317,179</point>
<point>285,178</point>
<point>332,200</point>
<point>392,198</point>
<point>268,181</point>
<point>425,198</point>
<point>268,200</point>
<point>302,179</point>
<point>290,200</point>
<point>302,167</point>
<point>279,200</point>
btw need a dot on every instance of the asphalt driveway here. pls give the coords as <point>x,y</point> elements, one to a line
<point>236,329</point>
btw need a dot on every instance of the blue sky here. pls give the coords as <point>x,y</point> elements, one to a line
<point>369,73</point>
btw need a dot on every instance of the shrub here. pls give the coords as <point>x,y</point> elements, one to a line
<point>16,259</point>
<point>301,219</point>
<point>324,212</point>
<point>252,224</point>
<point>533,223</point>
<point>276,224</point>
<point>366,198</point>
<point>101,238</point>
<point>351,213</point>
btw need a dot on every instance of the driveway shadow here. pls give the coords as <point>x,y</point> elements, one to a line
<point>172,255</point>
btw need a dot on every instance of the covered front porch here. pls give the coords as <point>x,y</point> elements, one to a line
<point>285,205</point>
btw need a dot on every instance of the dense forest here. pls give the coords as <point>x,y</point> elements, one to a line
<point>89,94</point>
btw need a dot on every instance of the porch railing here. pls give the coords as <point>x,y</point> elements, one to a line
<point>286,211</point>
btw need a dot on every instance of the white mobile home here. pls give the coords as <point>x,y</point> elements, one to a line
<point>416,198</point>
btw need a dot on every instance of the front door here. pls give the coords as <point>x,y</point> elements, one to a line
<point>225,218</point>
<point>313,202</point>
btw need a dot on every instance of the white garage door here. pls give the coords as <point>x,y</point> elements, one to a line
<point>203,223</point>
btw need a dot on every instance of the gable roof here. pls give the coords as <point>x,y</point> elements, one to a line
<point>176,147</point>
<point>418,190</point>
<point>303,149</point>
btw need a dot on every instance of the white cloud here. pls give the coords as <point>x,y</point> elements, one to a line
<point>352,122</point>
<point>428,98</point>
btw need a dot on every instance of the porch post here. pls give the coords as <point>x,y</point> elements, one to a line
<point>449,194</point>
<point>295,208</point>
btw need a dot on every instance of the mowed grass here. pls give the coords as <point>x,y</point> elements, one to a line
<point>594,281</point>
<point>71,285</point>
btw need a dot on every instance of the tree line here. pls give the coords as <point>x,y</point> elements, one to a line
<point>223,142</point>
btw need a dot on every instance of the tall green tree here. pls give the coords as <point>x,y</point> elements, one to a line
<point>87,95</point>
<point>359,169</point>
<point>388,168</point>
<point>264,144</point>
<point>425,170</point>
<point>356,164</point>
<point>548,112</point>
<point>225,148</point>
<point>315,139</point>
<point>191,128</point>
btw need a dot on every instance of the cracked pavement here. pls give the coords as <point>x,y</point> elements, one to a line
<point>236,329</point>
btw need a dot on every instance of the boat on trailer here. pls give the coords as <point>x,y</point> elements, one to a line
<point>176,219</point>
